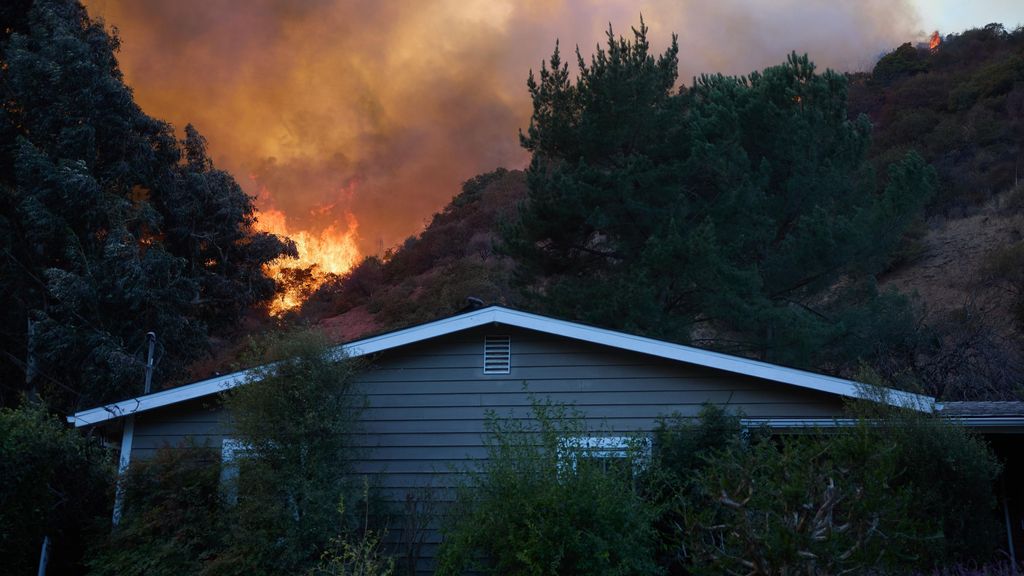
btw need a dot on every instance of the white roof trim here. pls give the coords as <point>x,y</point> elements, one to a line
<point>507,317</point>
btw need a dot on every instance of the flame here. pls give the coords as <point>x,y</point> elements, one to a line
<point>934,41</point>
<point>332,251</point>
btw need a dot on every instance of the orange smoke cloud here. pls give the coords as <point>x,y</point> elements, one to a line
<point>300,100</point>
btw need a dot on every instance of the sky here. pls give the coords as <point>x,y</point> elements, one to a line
<point>361,118</point>
<point>956,15</point>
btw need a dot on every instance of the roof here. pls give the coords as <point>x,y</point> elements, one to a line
<point>1003,416</point>
<point>525,320</point>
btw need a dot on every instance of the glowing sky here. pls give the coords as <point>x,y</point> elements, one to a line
<point>381,109</point>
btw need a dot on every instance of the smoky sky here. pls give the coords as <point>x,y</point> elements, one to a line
<point>383,108</point>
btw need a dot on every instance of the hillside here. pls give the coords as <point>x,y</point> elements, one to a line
<point>959,264</point>
<point>961,106</point>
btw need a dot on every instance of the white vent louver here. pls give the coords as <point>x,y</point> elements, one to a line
<point>497,354</point>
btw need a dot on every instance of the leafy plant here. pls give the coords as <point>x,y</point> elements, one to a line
<point>357,552</point>
<point>740,206</point>
<point>296,418</point>
<point>897,491</point>
<point>173,520</point>
<point>541,505</point>
<point>52,484</point>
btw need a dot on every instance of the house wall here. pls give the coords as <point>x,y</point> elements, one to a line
<point>427,404</point>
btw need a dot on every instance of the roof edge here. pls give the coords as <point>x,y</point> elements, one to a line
<point>529,321</point>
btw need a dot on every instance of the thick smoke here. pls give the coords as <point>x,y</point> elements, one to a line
<point>382,108</point>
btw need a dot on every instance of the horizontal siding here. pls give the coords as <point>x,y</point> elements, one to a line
<point>201,420</point>
<point>427,404</point>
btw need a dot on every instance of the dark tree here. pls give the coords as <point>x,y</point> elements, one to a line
<point>739,212</point>
<point>109,227</point>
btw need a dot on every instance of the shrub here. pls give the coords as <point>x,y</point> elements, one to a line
<point>949,471</point>
<point>356,552</point>
<point>173,519</point>
<point>897,491</point>
<point>52,483</point>
<point>539,505</point>
<point>296,419</point>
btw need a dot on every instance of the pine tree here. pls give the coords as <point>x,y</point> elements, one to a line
<point>742,206</point>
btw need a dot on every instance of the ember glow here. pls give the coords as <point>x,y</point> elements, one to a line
<point>302,100</point>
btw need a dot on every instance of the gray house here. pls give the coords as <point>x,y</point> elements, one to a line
<point>429,387</point>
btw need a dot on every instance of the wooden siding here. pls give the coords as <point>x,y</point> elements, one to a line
<point>427,404</point>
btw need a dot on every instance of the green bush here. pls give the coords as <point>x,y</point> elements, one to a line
<point>296,418</point>
<point>173,520</point>
<point>357,552</point>
<point>949,471</point>
<point>897,491</point>
<point>52,483</point>
<point>540,505</point>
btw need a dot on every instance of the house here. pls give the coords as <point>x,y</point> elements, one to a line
<point>429,387</point>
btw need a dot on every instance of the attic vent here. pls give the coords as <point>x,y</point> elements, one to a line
<point>497,354</point>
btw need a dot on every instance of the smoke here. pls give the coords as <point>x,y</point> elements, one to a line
<point>381,108</point>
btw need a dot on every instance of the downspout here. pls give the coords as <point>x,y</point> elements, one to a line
<point>1009,526</point>
<point>128,434</point>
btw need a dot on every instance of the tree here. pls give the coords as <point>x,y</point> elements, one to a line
<point>296,421</point>
<point>742,206</point>
<point>53,483</point>
<point>109,227</point>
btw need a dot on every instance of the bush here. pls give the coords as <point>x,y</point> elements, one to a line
<point>897,491</point>
<point>296,418</point>
<point>950,472</point>
<point>541,505</point>
<point>52,483</point>
<point>356,552</point>
<point>173,517</point>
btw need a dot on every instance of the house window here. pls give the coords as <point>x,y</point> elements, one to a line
<point>497,354</point>
<point>610,452</point>
<point>230,451</point>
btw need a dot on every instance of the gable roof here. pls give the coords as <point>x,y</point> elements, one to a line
<point>525,320</point>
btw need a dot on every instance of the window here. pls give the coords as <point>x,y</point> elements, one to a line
<point>497,354</point>
<point>611,452</point>
<point>230,450</point>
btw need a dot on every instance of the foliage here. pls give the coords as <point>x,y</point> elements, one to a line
<point>896,491</point>
<point>432,274</point>
<point>950,471</point>
<point>109,227</point>
<point>356,554</point>
<point>540,505</point>
<point>173,520</point>
<point>961,106</point>
<point>296,418</point>
<point>52,483</point>
<point>793,506</point>
<point>680,450</point>
<point>741,206</point>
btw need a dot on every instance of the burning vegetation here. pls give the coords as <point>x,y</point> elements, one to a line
<point>332,251</point>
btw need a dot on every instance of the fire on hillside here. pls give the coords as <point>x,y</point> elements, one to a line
<point>332,251</point>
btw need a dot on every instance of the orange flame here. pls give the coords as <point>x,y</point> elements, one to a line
<point>332,251</point>
<point>934,41</point>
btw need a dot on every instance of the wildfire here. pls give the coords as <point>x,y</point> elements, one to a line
<point>332,251</point>
<point>934,41</point>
